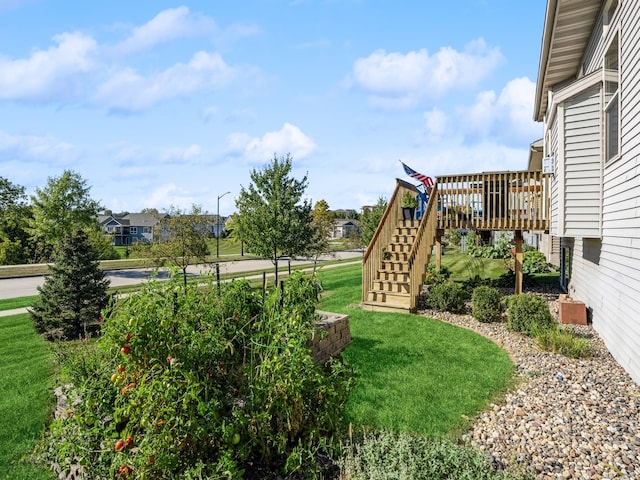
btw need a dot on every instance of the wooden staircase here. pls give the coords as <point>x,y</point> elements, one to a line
<point>391,289</point>
<point>396,260</point>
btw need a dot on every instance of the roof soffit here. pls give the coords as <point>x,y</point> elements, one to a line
<point>567,30</point>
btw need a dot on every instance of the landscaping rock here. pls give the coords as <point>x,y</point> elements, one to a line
<point>569,419</point>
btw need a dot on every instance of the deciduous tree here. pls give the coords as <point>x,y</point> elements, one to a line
<point>14,221</point>
<point>322,225</point>
<point>59,208</point>
<point>273,218</point>
<point>182,238</point>
<point>370,219</point>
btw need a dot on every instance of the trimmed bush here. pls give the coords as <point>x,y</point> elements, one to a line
<point>529,314</point>
<point>486,304</point>
<point>447,296</point>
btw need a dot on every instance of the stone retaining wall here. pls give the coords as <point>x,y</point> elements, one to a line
<point>331,337</point>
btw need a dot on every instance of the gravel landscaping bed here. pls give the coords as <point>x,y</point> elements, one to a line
<point>568,418</point>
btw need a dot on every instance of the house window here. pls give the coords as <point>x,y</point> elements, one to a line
<point>146,230</point>
<point>609,12</point>
<point>133,231</point>
<point>612,101</point>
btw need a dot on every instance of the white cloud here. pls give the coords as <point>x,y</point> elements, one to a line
<point>506,116</point>
<point>127,90</point>
<point>396,80</point>
<point>36,148</point>
<point>167,25</point>
<point>437,124</point>
<point>76,68</point>
<point>169,194</point>
<point>289,139</point>
<point>182,154</point>
<point>48,74</point>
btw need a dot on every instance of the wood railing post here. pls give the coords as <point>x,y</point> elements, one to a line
<point>518,262</point>
<point>438,250</point>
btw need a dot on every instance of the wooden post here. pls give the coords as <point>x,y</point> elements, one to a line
<point>438,249</point>
<point>518,265</point>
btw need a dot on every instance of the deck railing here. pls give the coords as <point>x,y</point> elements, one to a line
<point>494,201</point>
<point>422,246</point>
<point>372,258</point>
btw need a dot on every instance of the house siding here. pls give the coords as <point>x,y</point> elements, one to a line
<point>596,205</point>
<point>554,224</point>
<point>582,165</point>
<point>605,273</point>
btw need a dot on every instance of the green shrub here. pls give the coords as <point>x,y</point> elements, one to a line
<point>534,262</point>
<point>447,296</point>
<point>197,385</point>
<point>529,314</point>
<point>501,248</point>
<point>564,342</point>
<point>486,303</point>
<point>385,455</point>
<point>433,276</point>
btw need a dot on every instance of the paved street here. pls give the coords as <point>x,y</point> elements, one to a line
<point>26,286</point>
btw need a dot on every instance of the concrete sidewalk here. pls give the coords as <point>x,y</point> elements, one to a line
<point>127,277</point>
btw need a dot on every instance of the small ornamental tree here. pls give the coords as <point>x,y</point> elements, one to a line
<point>371,219</point>
<point>274,220</point>
<point>75,292</point>
<point>322,224</point>
<point>182,239</point>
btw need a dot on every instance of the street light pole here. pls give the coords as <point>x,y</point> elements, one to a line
<point>218,225</point>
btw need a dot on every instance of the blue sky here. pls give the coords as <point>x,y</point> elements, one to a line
<point>158,103</point>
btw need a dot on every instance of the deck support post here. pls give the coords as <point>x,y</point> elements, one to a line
<point>518,261</point>
<point>439,234</point>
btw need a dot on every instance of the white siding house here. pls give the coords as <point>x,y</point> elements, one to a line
<point>588,97</point>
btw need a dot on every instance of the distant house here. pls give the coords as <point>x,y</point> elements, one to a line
<point>587,98</point>
<point>144,227</point>
<point>130,228</point>
<point>344,228</point>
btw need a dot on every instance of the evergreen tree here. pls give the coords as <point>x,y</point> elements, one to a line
<point>75,291</point>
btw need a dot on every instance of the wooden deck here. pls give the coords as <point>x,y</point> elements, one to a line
<point>396,260</point>
<point>494,201</point>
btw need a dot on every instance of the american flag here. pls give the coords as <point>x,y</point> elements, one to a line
<point>428,182</point>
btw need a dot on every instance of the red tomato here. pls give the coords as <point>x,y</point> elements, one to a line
<point>124,471</point>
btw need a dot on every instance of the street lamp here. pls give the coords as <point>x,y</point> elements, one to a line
<point>218,225</point>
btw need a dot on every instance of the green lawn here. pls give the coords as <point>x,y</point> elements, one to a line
<point>20,302</point>
<point>414,374</point>
<point>25,377</point>
<point>462,266</point>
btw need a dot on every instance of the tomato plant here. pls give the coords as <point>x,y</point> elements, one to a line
<point>192,382</point>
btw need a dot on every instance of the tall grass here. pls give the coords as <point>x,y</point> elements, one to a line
<point>414,374</point>
<point>25,373</point>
